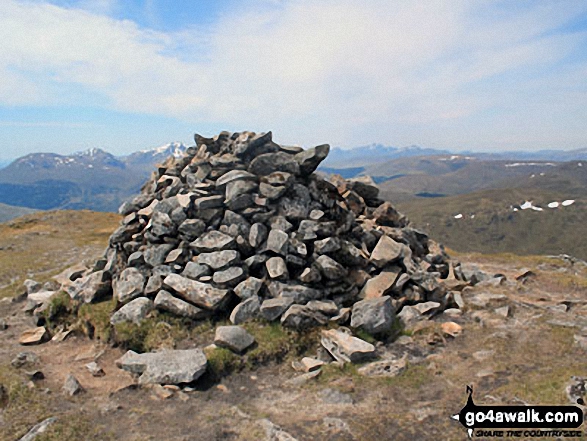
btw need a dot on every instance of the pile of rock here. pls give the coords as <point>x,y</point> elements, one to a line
<point>242,226</point>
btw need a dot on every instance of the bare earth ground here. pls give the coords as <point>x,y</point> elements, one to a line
<point>527,357</point>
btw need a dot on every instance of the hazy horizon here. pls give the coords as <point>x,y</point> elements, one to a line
<point>124,76</point>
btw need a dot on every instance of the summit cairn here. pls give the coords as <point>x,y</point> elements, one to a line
<point>244,228</point>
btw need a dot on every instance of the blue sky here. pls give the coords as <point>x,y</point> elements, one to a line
<point>126,75</point>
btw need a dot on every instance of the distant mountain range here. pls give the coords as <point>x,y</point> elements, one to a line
<point>378,153</point>
<point>92,179</point>
<point>97,180</point>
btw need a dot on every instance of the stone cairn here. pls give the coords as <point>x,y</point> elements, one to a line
<point>242,226</point>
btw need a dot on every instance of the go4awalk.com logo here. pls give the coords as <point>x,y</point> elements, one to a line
<point>520,421</point>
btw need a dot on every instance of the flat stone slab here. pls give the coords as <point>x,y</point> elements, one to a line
<point>200,294</point>
<point>34,336</point>
<point>165,367</point>
<point>346,348</point>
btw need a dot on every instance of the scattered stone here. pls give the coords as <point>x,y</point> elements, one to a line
<point>38,429</point>
<point>24,359</point>
<point>34,336</point>
<point>3,325</point>
<point>72,386</point>
<point>165,367</point>
<point>311,364</point>
<point>346,348</point>
<point>302,379</point>
<point>135,311</point>
<point>426,307</point>
<point>333,396</point>
<point>503,311</point>
<point>234,338</point>
<point>451,329</point>
<point>95,370</point>
<point>274,432</point>
<point>384,368</point>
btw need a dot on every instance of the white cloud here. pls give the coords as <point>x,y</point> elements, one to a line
<point>338,71</point>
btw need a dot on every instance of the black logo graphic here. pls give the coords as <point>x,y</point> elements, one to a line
<point>474,417</point>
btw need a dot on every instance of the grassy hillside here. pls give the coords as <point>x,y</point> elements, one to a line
<point>489,224</point>
<point>42,244</point>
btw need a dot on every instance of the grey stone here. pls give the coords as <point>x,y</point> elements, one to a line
<point>200,294</point>
<point>381,284</point>
<point>195,270</point>
<point>408,316</point>
<point>346,348</point>
<point>277,242</point>
<point>310,275</point>
<point>310,159</point>
<point>234,175</point>
<point>238,188</point>
<point>248,288</point>
<point>191,229</point>
<point>154,284</point>
<point>166,302</point>
<point>25,359</point>
<point>426,307</point>
<point>213,241</point>
<point>327,307</point>
<point>231,276</point>
<point>280,223</point>
<point>364,186</point>
<point>301,317</point>
<point>134,311</point>
<point>219,259</point>
<point>91,287</point>
<point>245,311</point>
<point>32,286</point>
<point>271,192</point>
<point>342,317</point>
<point>374,316</point>
<point>165,367</point>
<point>155,255</point>
<point>299,293</point>
<point>162,225</point>
<point>470,273</point>
<point>233,338</point>
<point>326,246</point>
<point>272,309</point>
<point>257,235</point>
<point>95,369</point>
<point>136,259</point>
<point>330,268</point>
<point>276,268</point>
<point>386,251</point>
<point>206,202</point>
<point>129,285</point>
<point>264,165</point>
<point>72,386</point>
